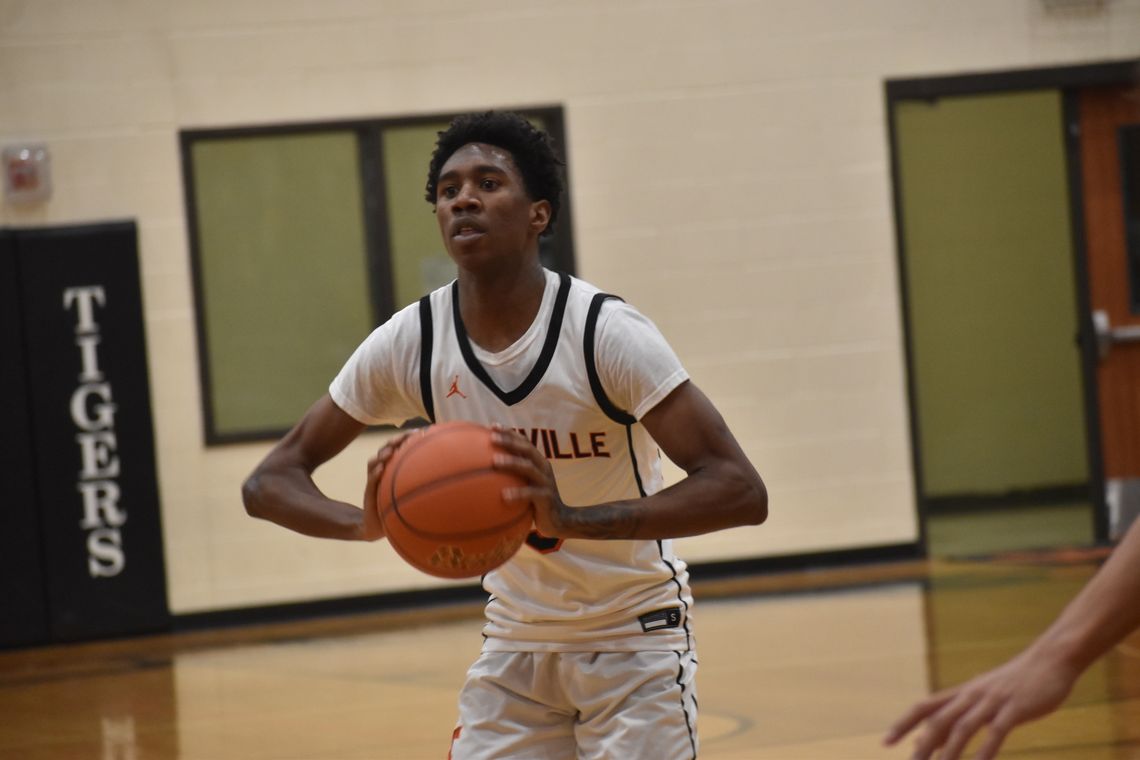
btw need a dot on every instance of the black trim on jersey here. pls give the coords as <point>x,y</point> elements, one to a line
<point>633,460</point>
<point>510,398</point>
<point>607,406</point>
<point>680,596</point>
<point>624,418</point>
<point>425,357</point>
<point>688,723</point>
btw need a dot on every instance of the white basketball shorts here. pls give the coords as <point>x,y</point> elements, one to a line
<point>578,706</point>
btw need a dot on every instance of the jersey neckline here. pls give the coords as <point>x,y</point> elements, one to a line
<point>554,328</point>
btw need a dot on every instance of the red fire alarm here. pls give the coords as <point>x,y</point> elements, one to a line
<point>27,173</point>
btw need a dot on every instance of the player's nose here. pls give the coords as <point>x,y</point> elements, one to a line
<point>467,197</point>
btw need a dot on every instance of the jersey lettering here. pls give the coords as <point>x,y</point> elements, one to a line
<point>555,445</point>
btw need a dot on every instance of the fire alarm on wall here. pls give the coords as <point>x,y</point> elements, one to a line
<point>27,173</point>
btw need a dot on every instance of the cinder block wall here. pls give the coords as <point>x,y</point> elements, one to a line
<point>730,177</point>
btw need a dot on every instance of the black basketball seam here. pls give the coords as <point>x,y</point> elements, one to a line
<point>410,446</point>
<point>446,536</point>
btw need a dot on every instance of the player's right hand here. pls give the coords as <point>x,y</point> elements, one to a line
<point>1027,687</point>
<point>371,527</point>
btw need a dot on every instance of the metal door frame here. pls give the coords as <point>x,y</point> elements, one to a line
<point>1068,80</point>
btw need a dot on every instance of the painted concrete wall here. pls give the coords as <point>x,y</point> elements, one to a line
<point>730,177</point>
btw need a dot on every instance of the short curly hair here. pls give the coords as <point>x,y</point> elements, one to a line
<point>530,147</point>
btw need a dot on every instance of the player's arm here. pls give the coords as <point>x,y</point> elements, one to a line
<point>1037,681</point>
<point>281,488</point>
<point>1103,613</point>
<point>721,490</point>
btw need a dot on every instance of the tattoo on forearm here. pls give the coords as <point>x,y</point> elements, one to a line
<point>604,521</point>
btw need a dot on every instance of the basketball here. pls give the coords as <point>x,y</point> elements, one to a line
<point>441,503</point>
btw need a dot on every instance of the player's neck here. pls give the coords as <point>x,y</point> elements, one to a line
<point>498,307</point>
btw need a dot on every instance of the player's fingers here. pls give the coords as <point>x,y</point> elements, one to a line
<point>965,728</point>
<point>520,457</point>
<point>513,443</point>
<point>938,726</point>
<point>999,728</point>
<point>527,494</point>
<point>395,443</point>
<point>914,716</point>
<point>385,452</point>
<point>522,466</point>
<point>376,465</point>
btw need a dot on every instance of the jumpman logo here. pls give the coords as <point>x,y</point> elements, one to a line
<point>455,389</point>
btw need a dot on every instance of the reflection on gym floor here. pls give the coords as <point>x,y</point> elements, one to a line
<point>800,665</point>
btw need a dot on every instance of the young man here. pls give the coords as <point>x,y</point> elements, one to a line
<point>588,646</point>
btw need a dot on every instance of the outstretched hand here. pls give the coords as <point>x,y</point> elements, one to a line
<point>518,457</point>
<point>1026,687</point>
<point>372,529</point>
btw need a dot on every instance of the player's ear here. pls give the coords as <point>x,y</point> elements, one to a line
<point>539,216</point>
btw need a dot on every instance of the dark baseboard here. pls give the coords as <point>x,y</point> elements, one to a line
<point>798,562</point>
<point>350,605</point>
<point>474,594</point>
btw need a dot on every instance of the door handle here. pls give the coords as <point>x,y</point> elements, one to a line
<point>1107,335</point>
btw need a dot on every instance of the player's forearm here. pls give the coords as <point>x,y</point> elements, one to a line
<point>291,499</point>
<point>723,494</point>
<point>1102,614</point>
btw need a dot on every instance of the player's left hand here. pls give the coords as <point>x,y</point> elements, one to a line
<point>519,457</point>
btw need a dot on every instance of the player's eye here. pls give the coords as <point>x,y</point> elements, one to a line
<point>489,183</point>
<point>448,191</point>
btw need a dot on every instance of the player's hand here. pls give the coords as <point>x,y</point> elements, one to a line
<point>372,529</point>
<point>1026,687</point>
<point>521,458</point>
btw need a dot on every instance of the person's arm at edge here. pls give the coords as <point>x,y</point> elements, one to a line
<point>1036,681</point>
<point>281,487</point>
<point>721,488</point>
<point>1105,611</point>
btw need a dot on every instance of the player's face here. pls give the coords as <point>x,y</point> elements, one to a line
<point>483,209</point>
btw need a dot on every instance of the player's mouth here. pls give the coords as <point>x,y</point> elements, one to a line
<point>466,229</point>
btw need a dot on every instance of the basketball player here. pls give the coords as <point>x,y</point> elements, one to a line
<point>1035,682</point>
<point>588,644</point>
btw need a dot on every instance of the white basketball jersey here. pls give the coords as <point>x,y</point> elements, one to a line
<point>554,595</point>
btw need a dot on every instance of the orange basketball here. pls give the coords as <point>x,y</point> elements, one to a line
<point>441,503</point>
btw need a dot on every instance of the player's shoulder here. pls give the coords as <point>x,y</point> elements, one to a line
<point>585,294</point>
<point>608,305</point>
<point>405,319</point>
<point>581,289</point>
<point>405,324</point>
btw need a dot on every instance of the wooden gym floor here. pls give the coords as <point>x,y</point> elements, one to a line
<point>794,666</point>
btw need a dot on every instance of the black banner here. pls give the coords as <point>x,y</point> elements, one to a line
<point>97,492</point>
<point>23,611</point>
